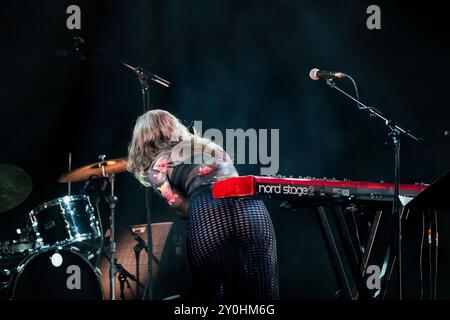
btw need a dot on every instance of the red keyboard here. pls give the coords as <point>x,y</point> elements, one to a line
<point>310,189</point>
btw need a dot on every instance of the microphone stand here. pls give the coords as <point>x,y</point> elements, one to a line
<point>123,275</point>
<point>137,251</point>
<point>112,201</point>
<point>396,132</point>
<point>148,292</point>
<point>122,279</point>
<point>144,77</point>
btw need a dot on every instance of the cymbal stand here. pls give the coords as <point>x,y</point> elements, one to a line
<point>69,185</point>
<point>112,201</point>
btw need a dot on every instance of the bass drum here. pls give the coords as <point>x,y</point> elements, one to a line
<point>55,274</point>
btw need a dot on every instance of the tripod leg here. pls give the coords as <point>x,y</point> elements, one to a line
<point>122,285</point>
<point>137,252</point>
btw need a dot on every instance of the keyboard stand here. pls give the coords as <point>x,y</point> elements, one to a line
<point>334,255</point>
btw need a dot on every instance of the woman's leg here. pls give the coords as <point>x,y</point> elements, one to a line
<point>254,258</point>
<point>207,237</point>
<point>231,249</point>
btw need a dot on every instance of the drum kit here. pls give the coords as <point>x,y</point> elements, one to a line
<point>58,250</point>
<point>67,231</point>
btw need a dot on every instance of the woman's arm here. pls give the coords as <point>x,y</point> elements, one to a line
<point>175,199</point>
<point>158,177</point>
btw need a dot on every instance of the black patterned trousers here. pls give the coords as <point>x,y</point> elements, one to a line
<point>231,248</point>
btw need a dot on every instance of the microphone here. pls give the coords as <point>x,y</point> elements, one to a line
<point>316,74</point>
<point>147,75</point>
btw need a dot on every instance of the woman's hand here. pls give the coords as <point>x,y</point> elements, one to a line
<point>174,199</point>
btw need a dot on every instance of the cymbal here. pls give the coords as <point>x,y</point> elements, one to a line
<point>15,186</point>
<point>95,170</point>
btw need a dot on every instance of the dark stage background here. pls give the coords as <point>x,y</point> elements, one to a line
<point>233,64</point>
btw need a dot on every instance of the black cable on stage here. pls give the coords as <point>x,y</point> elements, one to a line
<point>430,260</point>
<point>436,254</point>
<point>421,255</point>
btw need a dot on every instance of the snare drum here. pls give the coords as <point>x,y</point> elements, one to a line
<point>55,274</point>
<point>68,220</point>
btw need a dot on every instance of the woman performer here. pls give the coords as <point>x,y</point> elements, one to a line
<point>230,242</point>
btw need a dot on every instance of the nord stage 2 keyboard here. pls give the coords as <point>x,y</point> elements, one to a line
<point>311,190</point>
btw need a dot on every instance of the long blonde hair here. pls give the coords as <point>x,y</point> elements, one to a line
<point>157,132</point>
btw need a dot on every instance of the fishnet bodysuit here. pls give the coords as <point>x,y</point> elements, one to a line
<point>231,248</point>
<point>231,242</point>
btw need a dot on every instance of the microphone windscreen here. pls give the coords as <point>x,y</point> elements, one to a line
<point>313,74</point>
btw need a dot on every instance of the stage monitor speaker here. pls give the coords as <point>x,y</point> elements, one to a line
<point>169,263</point>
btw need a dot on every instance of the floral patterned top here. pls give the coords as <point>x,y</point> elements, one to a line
<point>175,176</point>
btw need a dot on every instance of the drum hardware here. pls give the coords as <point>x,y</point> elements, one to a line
<point>15,186</point>
<point>11,247</point>
<point>112,201</point>
<point>94,189</point>
<point>55,224</point>
<point>4,278</point>
<point>102,169</point>
<point>5,272</point>
<point>18,247</point>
